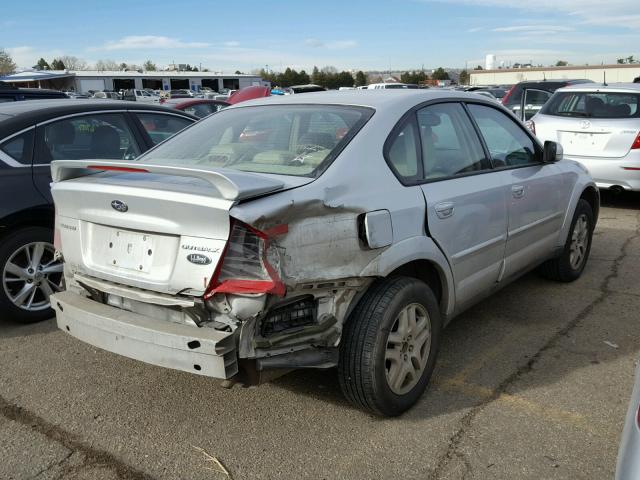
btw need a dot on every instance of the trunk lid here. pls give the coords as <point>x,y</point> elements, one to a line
<point>589,137</point>
<point>154,227</point>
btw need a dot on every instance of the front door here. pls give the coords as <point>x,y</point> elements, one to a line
<point>535,190</point>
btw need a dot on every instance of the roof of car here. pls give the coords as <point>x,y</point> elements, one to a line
<point>377,99</point>
<point>30,112</point>
<point>597,87</point>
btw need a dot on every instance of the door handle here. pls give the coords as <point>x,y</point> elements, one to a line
<point>517,191</point>
<point>444,210</point>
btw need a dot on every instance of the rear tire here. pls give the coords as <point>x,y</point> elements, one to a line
<point>571,262</point>
<point>28,274</point>
<point>389,346</point>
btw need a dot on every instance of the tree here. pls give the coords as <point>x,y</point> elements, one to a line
<point>73,63</point>
<point>440,74</point>
<point>415,77</point>
<point>620,60</point>
<point>7,64</point>
<point>238,72</point>
<point>464,77</point>
<point>562,63</point>
<point>361,78</point>
<point>57,64</point>
<point>42,65</point>
<point>103,65</point>
<point>149,66</point>
<point>630,59</point>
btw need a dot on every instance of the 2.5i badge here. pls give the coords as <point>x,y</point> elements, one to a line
<point>199,259</point>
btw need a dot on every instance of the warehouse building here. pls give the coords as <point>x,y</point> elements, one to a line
<point>82,81</point>
<point>597,73</point>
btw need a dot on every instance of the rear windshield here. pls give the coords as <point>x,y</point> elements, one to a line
<point>299,140</point>
<point>593,105</point>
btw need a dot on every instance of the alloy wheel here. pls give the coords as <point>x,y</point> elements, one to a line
<point>579,242</point>
<point>32,273</point>
<point>408,348</point>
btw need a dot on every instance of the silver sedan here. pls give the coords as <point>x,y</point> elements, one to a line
<point>313,231</point>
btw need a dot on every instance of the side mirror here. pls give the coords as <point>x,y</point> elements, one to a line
<point>552,152</point>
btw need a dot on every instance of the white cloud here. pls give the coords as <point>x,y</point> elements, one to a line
<point>336,45</point>
<point>232,43</point>
<point>140,42</point>
<point>25,56</point>
<point>612,13</point>
<point>534,28</point>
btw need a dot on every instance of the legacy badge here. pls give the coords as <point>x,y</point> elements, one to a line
<point>199,259</point>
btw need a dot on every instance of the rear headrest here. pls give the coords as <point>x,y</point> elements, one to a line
<point>105,141</point>
<point>61,133</point>
<point>622,110</point>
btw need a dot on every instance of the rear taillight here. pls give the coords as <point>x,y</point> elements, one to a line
<point>505,99</point>
<point>250,263</point>
<point>636,143</point>
<point>531,125</point>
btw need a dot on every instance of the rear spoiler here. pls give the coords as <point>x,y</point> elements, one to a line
<point>232,184</point>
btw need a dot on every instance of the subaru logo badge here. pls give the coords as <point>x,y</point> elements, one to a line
<point>199,259</point>
<point>584,124</point>
<point>119,206</point>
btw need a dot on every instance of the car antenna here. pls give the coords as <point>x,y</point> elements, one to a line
<point>604,83</point>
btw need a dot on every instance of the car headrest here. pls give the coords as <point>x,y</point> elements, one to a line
<point>105,142</point>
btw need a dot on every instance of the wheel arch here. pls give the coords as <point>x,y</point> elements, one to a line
<point>592,196</point>
<point>417,257</point>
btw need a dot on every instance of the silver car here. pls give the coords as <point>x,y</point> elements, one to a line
<point>628,467</point>
<point>331,229</point>
<point>599,126</point>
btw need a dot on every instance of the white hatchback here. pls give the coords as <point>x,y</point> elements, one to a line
<point>597,125</point>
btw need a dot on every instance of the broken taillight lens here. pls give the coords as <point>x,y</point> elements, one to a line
<point>250,264</point>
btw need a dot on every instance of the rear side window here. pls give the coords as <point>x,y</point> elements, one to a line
<point>105,136</point>
<point>508,144</point>
<point>160,127</point>
<point>450,145</point>
<point>402,153</point>
<point>593,105</point>
<point>19,148</point>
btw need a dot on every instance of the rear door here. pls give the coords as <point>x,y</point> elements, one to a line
<point>536,198</point>
<point>533,99</point>
<point>100,135</point>
<point>466,201</point>
<point>17,191</point>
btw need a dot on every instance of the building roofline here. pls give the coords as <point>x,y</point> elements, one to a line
<point>559,69</point>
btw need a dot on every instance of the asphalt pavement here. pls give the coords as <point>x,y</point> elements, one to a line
<point>532,383</point>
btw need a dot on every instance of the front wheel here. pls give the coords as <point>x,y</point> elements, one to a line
<point>571,262</point>
<point>389,346</point>
<point>29,274</point>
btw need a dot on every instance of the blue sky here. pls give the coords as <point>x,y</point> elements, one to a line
<point>375,34</point>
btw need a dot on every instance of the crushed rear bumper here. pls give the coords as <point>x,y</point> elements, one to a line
<point>202,351</point>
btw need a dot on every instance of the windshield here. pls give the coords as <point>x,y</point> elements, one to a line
<point>299,140</point>
<point>593,105</point>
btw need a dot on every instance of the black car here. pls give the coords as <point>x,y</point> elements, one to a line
<point>525,99</point>
<point>13,94</point>
<point>32,134</point>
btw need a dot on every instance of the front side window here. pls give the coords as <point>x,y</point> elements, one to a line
<point>19,148</point>
<point>105,136</point>
<point>507,142</point>
<point>593,105</point>
<point>450,145</point>
<point>160,126</point>
<point>282,139</point>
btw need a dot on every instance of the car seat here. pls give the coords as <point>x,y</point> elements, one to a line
<point>58,136</point>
